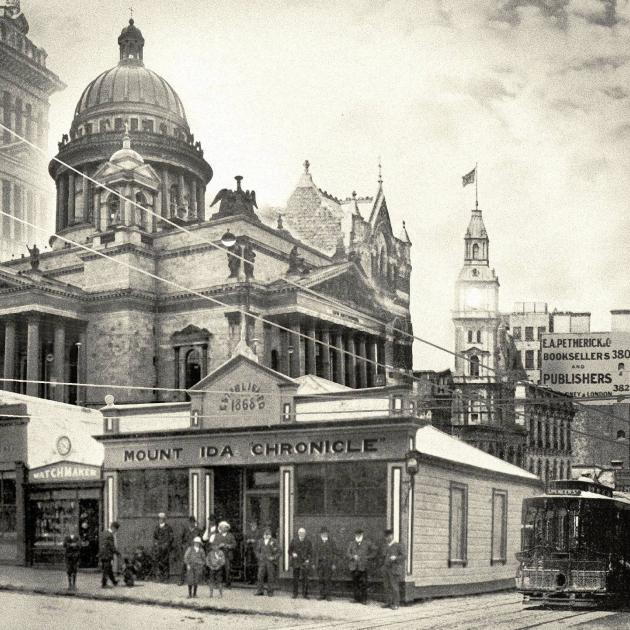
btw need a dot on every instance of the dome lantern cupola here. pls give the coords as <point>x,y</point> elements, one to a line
<point>131,44</point>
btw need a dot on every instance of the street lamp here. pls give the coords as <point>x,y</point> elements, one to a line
<point>290,353</point>
<point>412,463</point>
<point>228,239</point>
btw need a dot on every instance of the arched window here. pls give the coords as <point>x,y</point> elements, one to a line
<point>173,199</point>
<point>275,362</point>
<point>621,434</point>
<point>475,251</point>
<point>474,366</point>
<point>470,336</point>
<point>141,214</point>
<point>478,336</point>
<point>113,209</point>
<point>193,368</point>
<point>382,265</point>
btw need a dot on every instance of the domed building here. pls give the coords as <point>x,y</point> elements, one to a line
<point>110,302</point>
<point>129,96</point>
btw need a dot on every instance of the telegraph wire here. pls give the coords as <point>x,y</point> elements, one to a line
<point>407,373</point>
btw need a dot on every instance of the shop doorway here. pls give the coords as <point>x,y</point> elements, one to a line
<point>88,531</point>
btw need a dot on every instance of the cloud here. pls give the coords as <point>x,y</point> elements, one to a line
<point>511,11</point>
<point>596,64</point>
<point>598,12</point>
<point>616,92</point>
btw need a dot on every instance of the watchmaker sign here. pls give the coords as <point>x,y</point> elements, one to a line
<point>64,472</point>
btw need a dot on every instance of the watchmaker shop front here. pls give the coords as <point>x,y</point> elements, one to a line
<point>50,480</point>
<point>253,456</point>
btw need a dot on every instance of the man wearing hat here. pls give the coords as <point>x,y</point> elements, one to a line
<point>163,543</point>
<point>301,557</point>
<point>107,552</point>
<point>267,552</point>
<point>189,533</point>
<point>360,552</point>
<point>224,540</point>
<point>393,570</point>
<point>325,554</point>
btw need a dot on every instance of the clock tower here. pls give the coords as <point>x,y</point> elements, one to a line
<point>476,314</point>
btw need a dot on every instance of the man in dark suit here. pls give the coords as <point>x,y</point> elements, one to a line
<point>301,557</point>
<point>267,554</point>
<point>163,538</point>
<point>325,554</point>
<point>393,556</point>
<point>360,552</point>
<point>107,553</point>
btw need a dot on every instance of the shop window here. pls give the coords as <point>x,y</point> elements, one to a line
<point>499,527</point>
<point>458,525</point>
<point>529,359</point>
<point>263,479</point>
<point>529,333</point>
<point>7,507</point>
<point>149,492</point>
<point>516,332</point>
<point>349,489</point>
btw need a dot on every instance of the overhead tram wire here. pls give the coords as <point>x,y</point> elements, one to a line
<point>247,313</point>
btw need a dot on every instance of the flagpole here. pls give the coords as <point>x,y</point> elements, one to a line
<point>476,187</point>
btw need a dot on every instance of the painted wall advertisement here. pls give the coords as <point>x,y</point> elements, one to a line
<point>586,365</point>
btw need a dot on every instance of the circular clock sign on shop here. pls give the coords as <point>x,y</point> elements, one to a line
<point>64,445</point>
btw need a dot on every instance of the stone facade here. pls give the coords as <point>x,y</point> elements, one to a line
<point>111,303</point>
<point>25,87</point>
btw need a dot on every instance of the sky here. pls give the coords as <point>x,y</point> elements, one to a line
<point>537,92</point>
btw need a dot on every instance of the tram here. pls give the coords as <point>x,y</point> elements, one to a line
<point>575,546</point>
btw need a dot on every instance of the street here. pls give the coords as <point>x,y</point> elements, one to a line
<point>500,611</point>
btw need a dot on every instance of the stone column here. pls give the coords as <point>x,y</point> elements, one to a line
<point>182,188</point>
<point>373,367</point>
<point>363,365</point>
<point>352,361</point>
<point>325,350</point>
<point>311,346</point>
<point>32,355</point>
<point>296,357</point>
<point>59,215</point>
<point>60,360</point>
<point>81,368</point>
<point>9,354</point>
<point>165,185</point>
<point>71,193</point>
<point>193,196</point>
<point>96,219</point>
<point>202,203</point>
<point>341,358</point>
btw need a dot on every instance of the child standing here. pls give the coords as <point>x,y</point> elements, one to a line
<point>195,561</point>
<point>215,563</point>
<point>72,547</point>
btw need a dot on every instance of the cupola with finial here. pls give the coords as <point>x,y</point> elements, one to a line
<point>131,44</point>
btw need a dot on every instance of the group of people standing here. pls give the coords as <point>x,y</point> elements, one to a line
<point>208,556</point>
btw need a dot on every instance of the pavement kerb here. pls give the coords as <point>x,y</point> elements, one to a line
<point>111,596</point>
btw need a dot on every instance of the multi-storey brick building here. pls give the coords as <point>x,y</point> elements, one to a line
<point>74,315</point>
<point>25,87</point>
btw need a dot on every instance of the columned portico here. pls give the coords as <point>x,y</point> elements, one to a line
<point>33,352</point>
<point>362,364</point>
<point>59,354</point>
<point>325,350</point>
<point>351,359</point>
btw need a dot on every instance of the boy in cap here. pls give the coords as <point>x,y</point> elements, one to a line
<point>163,543</point>
<point>393,567</point>
<point>72,548</point>
<point>360,552</point>
<point>267,553</point>
<point>325,554</point>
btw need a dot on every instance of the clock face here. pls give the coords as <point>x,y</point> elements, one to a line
<point>64,445</point>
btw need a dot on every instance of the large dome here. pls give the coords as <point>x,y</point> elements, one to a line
<point>129,84</point>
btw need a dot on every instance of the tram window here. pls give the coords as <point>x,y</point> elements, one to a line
<point>499,527</point>
<point>458,525</point>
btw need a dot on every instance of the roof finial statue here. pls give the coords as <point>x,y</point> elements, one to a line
<point>380,172</point>
<point>131,13</point>
<point>306,165</point>
<point>34,256</point>
<point>126,138</point>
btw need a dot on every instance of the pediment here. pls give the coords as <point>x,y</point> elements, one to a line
<point>190,334</point>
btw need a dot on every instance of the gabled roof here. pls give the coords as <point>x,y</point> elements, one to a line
<point>310,384</point>
<point>232,363</point>
<point>30,279</point>
<point>435,443</point>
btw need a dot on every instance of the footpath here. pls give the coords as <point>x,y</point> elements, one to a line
<point>234,601</point>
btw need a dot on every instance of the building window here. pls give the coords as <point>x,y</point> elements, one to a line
<point>458,525</point>
<point>541,331</point>
<point>529,359</point>
<point>621,434</point>
<point>516,332</point>
<point>134,124</point>
<point>529,333</point>
<point>478,336</point>
<point>113,209</point>
<point>475,251</point>
<point>147,125</point>
<point>7,508</point>
<point>193,368</point>
<point>474,366</point>
<point>173,199</point>
<point>141,213</point>
<point>499,527</point>
<point>539,359</point>
<point>275,361</point>
<point>149,492</point>
<point>286,412</point>
<point>470,336</point>
<point>163,129</point>
<point>118,124</point>
<point>348,489</point>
